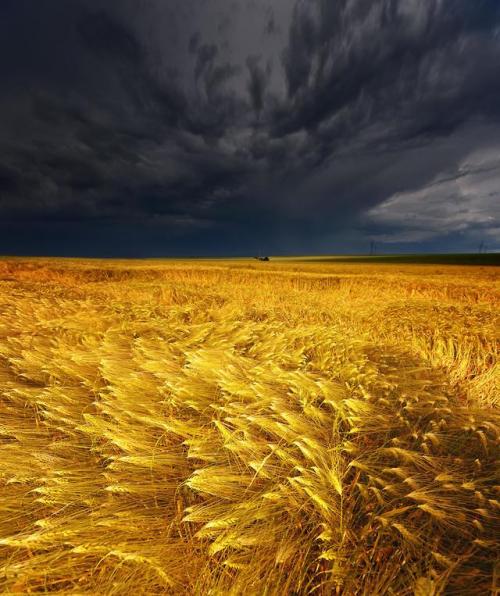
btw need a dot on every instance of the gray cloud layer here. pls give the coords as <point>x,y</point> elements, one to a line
<point>219,126</point>
<point>466,201</point>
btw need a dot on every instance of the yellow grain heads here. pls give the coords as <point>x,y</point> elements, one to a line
<point>238,428</point>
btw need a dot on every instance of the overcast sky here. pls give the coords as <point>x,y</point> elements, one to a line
<point>212,127</point>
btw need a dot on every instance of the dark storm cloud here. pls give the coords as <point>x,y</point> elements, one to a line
<point>257,82</point>
<point>108,38</point>
<point>271,26</point>
<point>302,126</point>
<point>205,56</point>
<point>194,42</point>
<point>430,64</point>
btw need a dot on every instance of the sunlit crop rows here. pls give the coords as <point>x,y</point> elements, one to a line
<point>248,428</point>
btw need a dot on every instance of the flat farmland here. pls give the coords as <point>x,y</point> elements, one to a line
<point>236,427</point>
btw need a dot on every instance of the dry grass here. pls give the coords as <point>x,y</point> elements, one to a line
<point>247,428</point>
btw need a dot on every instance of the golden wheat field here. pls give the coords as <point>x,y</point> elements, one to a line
<point>236,427</point>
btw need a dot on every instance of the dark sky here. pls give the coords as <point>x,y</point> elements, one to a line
<point>212,127</point>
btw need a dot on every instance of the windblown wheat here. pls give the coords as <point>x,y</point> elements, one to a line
<point>239,428</point>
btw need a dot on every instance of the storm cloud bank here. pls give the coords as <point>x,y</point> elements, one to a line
<point>215,127</point>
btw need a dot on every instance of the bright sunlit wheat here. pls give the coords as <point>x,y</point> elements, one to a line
<point>240,428</point>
